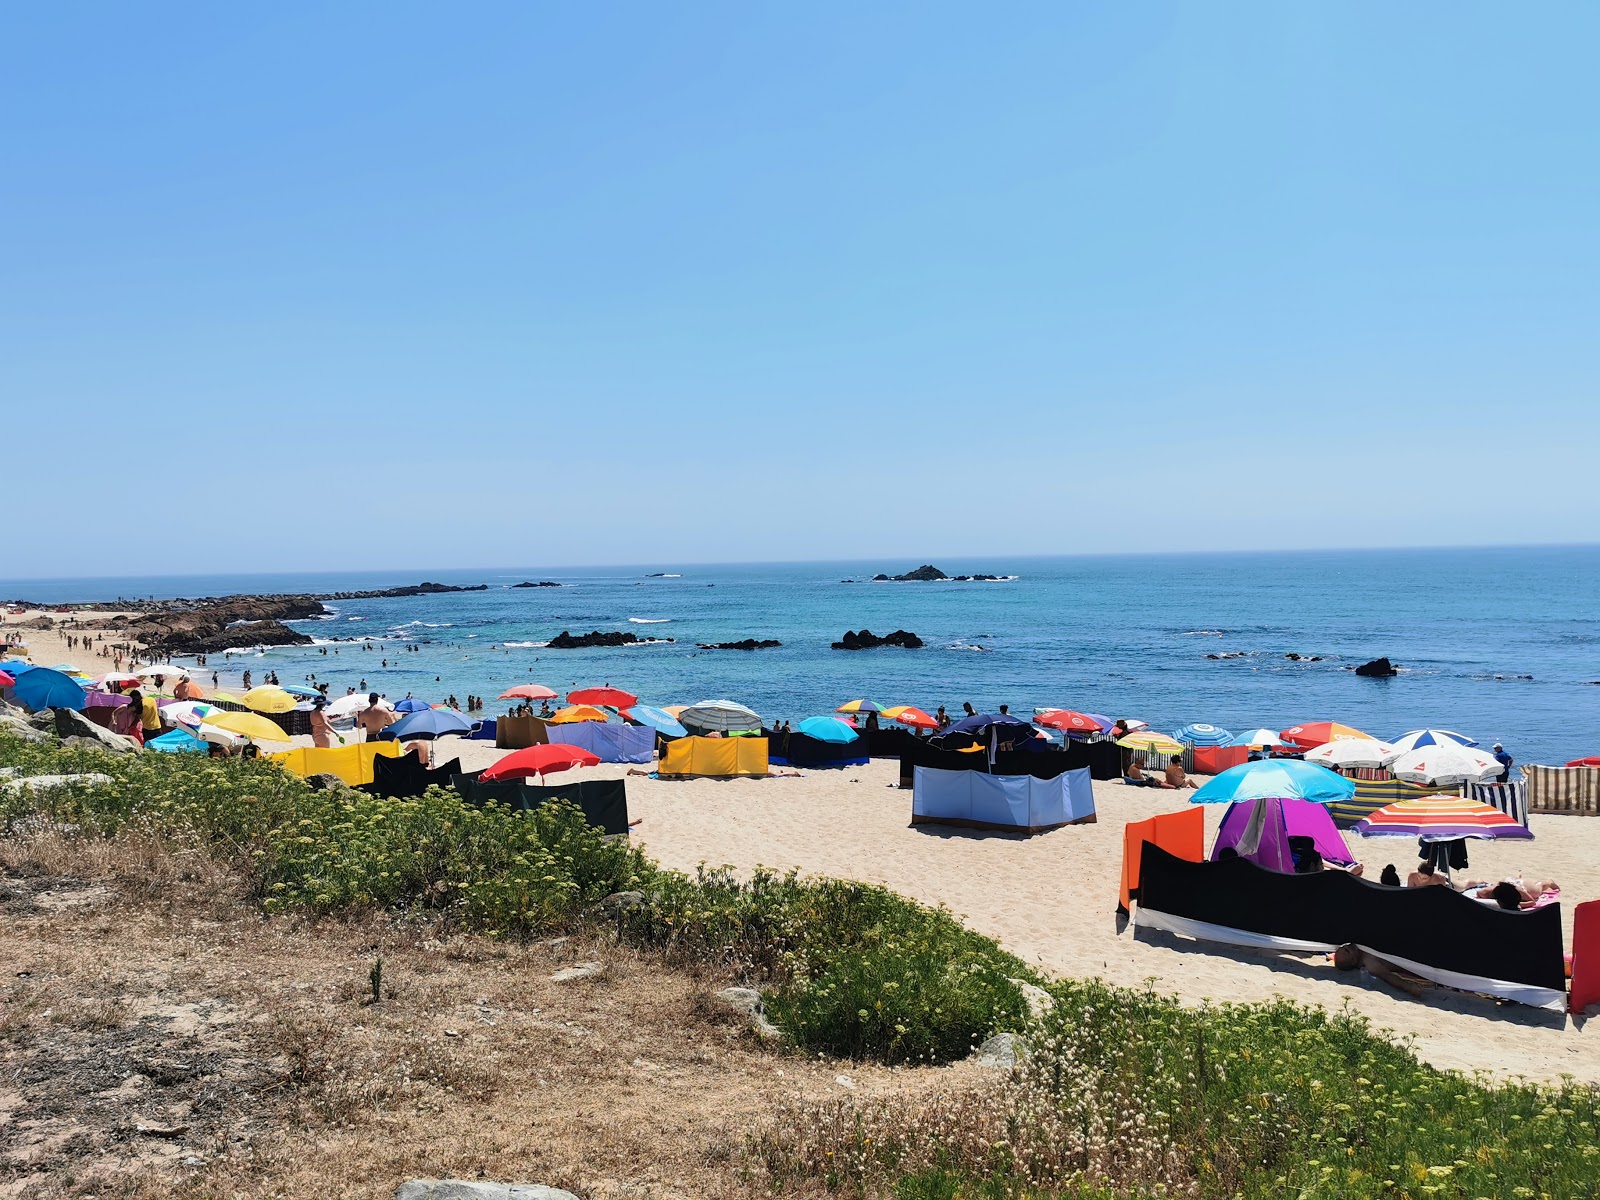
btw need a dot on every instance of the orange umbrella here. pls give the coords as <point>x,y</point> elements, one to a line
<point>910,715</point>
<point>540,760</point>
<point>577,712</point>
<point>1320,733</point>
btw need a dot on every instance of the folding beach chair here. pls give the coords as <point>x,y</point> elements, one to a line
<point>1584,989</point>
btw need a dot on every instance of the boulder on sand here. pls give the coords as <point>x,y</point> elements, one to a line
<point>69,724</point>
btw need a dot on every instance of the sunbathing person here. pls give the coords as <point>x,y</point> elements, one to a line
<point>1175,779</point>
<point>1426,876</point>
<point>1135,776</point>
<point>1350,956</point>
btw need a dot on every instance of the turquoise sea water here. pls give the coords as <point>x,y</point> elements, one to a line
<point>1497,643</point>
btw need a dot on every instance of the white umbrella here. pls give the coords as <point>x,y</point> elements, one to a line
<point>1445,765</point>
<point>348,706</point>
<point>1418,738</point>
<point>1357,752</point>
<point>166,671</point>
<point>118,677</point>
<point>723,716</point>
<point>220,737</point>
<point>187,712</point>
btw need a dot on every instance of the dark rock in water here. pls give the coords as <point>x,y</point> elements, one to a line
<point>746,644</point>
<point>541,583</point>
<point>1219,655</point>
<point>252,633</point>
<point>1307,657</point>
<point>566,641</point>
<point>867,640</point>
<point>923,574</point>
<point>1378,668</point>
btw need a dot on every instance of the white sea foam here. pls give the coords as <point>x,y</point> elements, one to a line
<point>649,620</point>
<point>1203,633</point>
<point>524,645</point>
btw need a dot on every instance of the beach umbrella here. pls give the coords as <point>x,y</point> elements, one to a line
<point>219,737</point>
<point>577,712</point>
<point>120,677</point>
<point>430,723</point>
<point>300,690</point>
<point>177,741</point>
<point>1445,766</point>
<point>907,714</point>
<point>355,702</point>
<point>164,670</point>
<point>1257,739</point>
<point>45,688</point>
<point>980,723</point>
<point>1067,721</point>
<point>16,666</point>
<point>188,712</point>
<point>722,716</point>
<point>675,710</point>
<point>227,696</point>
<point>657,718</point>
<point>1201,734</point>
<point>411,704</point>
<point>1150,741</point>
<point>528,691</point>
<point>539,760</point>
<point>7,679</point>
<point>1356,752</point>
<point>827,729</point>
<point>859,706</point>
<point>1416,739</point>
<point>608,696</point>
<point>268,698</point>
<point>1440,819</point>
<point>104,700</point>
<point>245,724</point>
<point>1278,778</point>
<point>1320,733</point>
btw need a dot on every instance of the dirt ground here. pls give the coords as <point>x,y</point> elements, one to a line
<point>159,1037</point>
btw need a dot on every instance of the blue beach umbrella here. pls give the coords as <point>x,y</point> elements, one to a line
<point>1257,738</point>
<point>295,689</point>
<point>429,723</point>
<point>1276,779</point>
<point>412,704</point>
<point>980,723</point>
<point>1417,739</point>
<point>658,719</point>
<point>44,688</point>
<point>1201,734</point>
<point>179,741</point>
<point>827,729</point>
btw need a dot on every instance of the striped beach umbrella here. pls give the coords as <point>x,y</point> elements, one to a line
<point>1151,742</point>
<point>1201,734</point>
<point>859,706</point>
<point>1418,738</point>
<point>1440,819</point>
<point>722,716</point>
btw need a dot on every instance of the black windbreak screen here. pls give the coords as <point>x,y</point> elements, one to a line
<point>1434,926</point>
<point>604,802</point>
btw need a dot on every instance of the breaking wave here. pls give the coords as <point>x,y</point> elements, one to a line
<point>649,620</point>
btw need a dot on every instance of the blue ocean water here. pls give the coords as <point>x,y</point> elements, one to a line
<point>1500,643</point>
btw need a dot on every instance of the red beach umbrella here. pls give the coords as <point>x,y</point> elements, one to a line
<point>911,715</point>
<point>540,760</point>
<point>607,696</point>
<point>6,680</point>
<point>1319,733</point>
<point>528,691</point>
<point>1068,721</point>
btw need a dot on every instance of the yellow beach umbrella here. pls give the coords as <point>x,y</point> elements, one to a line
<point>859,706</point>
<point>268,699</point>
<point>227,696</point>
<point>246,724</point>
<point>577,712</point>
<point>1151,741</point>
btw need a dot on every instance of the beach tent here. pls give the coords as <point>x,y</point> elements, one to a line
<point>608,743</point>
<point>1280,820</point>
<point>693,757</point>
<point>1019,803</point>
<point>179,741</point>
<point>353,763</point>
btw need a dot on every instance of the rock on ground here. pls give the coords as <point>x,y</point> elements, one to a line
<point>1003,1051</point>
<point>749,1002</point>
<point>583,970</point>
<point>69,724</point>
<point>18,728</point>
<point>473,1189</point>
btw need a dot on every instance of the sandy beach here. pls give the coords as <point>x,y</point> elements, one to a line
<point>1052,898</point>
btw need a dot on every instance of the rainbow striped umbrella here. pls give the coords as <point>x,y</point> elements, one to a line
<point>1440,819</point>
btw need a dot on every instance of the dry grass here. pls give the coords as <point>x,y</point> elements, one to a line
<point>158,1037</point>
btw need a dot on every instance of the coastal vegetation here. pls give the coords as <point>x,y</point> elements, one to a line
<point>1115,1092</point>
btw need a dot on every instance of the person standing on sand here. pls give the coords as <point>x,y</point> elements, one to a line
<point>127,719</point>
<point>1505,760</point>
<point>150,717</point>
<point>374,718</point>
<point>322,734</point>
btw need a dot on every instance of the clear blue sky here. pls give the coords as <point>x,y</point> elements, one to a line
<point>583,283</point>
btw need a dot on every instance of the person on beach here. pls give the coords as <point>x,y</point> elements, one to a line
<point>1426,876</point>
<point>322,734</point>
<point>1505,760</point>
<point>149,717</point>
<point>1119,728</point>
<point>1350,956</point>
<point>942,717</point>
<point>966,706</point>
<point>1175,779</point>
<point>374,718</point>
<point>128,719</point>
<point>1135,774</point>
